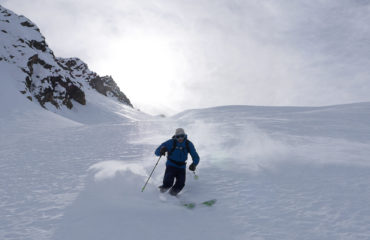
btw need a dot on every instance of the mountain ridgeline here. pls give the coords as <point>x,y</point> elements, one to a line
<point>49,80</point>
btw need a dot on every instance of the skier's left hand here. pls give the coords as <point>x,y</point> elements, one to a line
<point>192,167</point>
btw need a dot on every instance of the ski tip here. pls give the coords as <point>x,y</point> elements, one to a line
<point>189,205</point>
<point>209,202</point>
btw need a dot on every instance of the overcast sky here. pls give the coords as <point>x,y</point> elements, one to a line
<point>171,55</point>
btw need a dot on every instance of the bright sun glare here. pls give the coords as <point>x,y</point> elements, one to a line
<point>147,67</point>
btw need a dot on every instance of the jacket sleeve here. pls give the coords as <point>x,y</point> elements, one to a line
<point>193,153</point>
<point>168,144</point>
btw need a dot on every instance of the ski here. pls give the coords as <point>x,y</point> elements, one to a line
<point>191,205</point>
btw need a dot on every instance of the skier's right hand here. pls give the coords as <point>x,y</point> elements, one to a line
<point>192,167</point>
<point>163,151</point>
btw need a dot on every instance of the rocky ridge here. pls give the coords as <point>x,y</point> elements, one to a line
<point>53,82</point>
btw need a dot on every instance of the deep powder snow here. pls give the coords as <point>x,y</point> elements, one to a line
<point>277,173</point>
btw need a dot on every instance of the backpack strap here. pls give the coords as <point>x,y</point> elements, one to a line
<point>174,146</point>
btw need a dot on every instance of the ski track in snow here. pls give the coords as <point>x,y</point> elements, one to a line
<point>276,173</point>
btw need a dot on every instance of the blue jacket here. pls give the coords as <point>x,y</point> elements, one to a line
<point>180,154</point>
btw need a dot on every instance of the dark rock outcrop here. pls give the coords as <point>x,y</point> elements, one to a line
<point>104,85</point>
<point>58,81</point>
<point>27,24</point>
<point>56,89</point>
<point>108,87</point>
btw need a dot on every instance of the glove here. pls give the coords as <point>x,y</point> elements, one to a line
<point>192,167</point>
<point>163,151</point>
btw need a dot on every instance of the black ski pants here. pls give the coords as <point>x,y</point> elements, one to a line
<point>171,174</point>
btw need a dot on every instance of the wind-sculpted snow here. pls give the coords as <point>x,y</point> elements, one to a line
<point>277,173</point>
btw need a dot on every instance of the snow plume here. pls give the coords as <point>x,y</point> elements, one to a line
<point>254,138</point>
<point>108,169</point>
<point>250,146</point>
<point>113,207</point>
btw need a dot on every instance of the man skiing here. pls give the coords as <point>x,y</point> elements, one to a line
<point>177,150</point>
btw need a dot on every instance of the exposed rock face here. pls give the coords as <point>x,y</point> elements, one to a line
<point>104,85</point>
<point>51,81</point>
<point>108,87</point>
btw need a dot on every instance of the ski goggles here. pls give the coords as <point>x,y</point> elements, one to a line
<point>180,136</point>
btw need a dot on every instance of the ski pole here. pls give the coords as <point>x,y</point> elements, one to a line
<point>195,176</point>
<point>142,190</point>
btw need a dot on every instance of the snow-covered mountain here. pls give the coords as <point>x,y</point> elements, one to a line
<point>76,171</point>
<point>40,76</point>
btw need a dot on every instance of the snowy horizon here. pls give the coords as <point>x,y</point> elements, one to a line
<point>168,57</point>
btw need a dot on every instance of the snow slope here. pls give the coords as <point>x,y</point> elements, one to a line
<point>277,172</point>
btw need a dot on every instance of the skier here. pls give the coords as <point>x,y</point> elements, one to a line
<point>177,150</point>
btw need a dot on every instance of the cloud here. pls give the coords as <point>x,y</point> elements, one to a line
<point>216,52</point>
